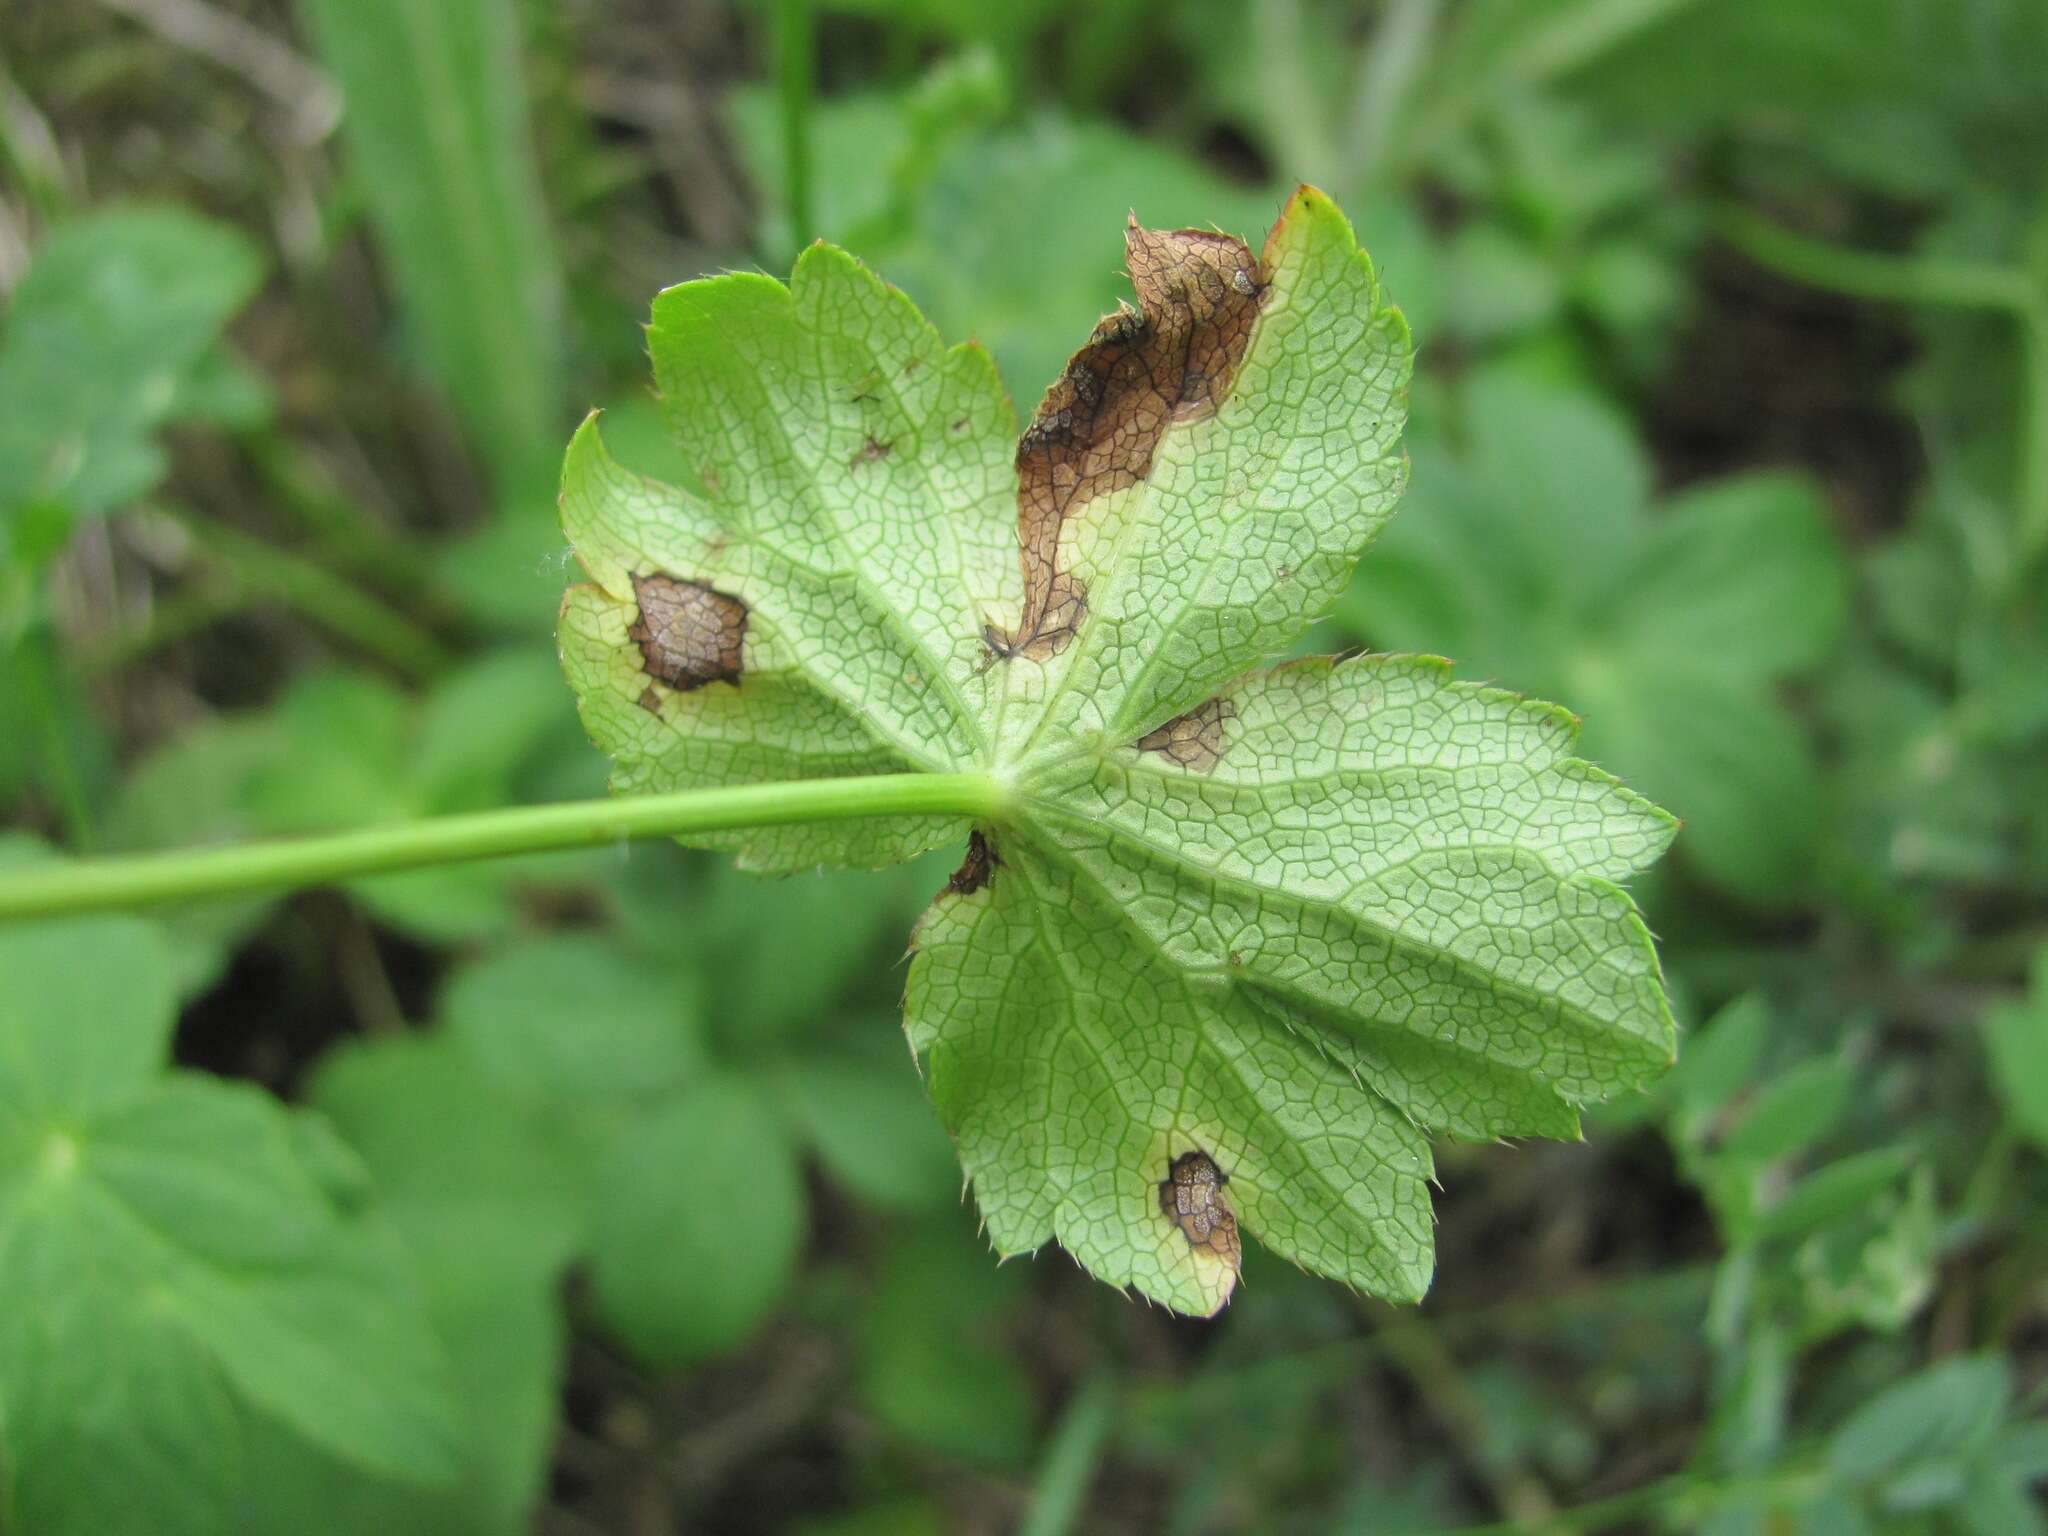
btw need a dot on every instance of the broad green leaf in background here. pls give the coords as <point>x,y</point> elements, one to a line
<point>868,1121</point>
<point>876,152</point>
<point>699,1220</point>
<point>489,1190</point>
<point>571,1015</point>
<point>114,332</point>
<point>935,1366</point>
<point>1565,221</point>
<point>1934,1441</point>
<point>569,1106</point>
<point>182,1257</point>
<point>1290,919</point>
<point>1720,1057</point>
<point>1534,557</point>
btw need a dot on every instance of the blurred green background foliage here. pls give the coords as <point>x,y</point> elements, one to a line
<point>597,1193</point>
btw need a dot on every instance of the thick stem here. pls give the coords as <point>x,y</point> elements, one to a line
<point>99,885</point>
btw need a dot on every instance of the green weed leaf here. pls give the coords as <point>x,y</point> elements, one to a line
<point>114,333</point>
<point>488,1189</point>
<point>178,1253</point>
<point>687,1264</point>
<point>1533,555</point>
<point>1241,938</point>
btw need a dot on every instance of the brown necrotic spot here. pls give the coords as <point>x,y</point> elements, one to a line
<point>689,634</point>
<point>1171,359</point>
<point>1193,740</point>
<point>1192,1197</point>
<point>975,869</point>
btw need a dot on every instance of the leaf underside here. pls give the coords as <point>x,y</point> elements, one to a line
<point>1292,919</point>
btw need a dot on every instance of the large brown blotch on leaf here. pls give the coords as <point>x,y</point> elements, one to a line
<point>1171,359</point>
<point>1192,1197</point>
<point>689,634</point>
<point>1194,740</point>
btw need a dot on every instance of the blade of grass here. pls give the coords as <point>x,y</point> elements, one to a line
<point>436,123</point>
<point>1071,1460</point>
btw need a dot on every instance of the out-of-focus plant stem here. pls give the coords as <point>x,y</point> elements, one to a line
<point>1389,67</point>
<point>796,65</point>
<point>1683,1498</point>
<point>321,596</point>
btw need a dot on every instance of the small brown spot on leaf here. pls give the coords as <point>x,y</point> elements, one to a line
<point>1192,1197</point>
<point>1171,359</point>
<point>689,634</point>
<point>873,451</point>
<point>975,870</point>
<point>649,700</point>
<point>1193,740</point>
<point>960,425</point>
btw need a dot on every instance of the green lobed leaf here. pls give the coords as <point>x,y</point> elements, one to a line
<point>570,1015</point>
<point>1293,920</point>
<point>867,1120</point>
<point>181,1257</point>
<point>934,1364</point>
<point>186,1209</point>
<point>113,333</point>
<point>86,1009</point>
<point>114,1424</point>
<point>488,1188</point>
<point>1952,1407</point>
<point>699,1221</point>
<point>1533,554</point>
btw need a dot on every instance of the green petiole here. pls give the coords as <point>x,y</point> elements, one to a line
<point>99,885</point>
